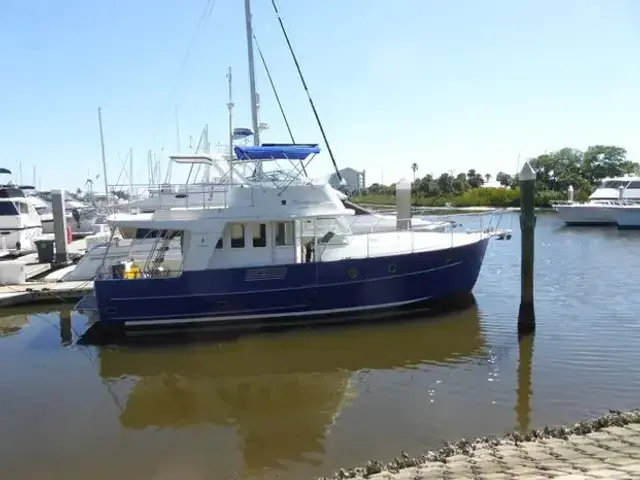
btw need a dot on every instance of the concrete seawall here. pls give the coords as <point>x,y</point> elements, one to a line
<point>606,447</point>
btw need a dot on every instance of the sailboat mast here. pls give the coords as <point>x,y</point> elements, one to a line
<point>130,173</point>
<point>252,73</point>
<point>206,147</point>
<point>104,158</point>
<point>177,130</point>
<point>230,106</point>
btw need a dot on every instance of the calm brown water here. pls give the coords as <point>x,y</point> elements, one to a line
<point>307,402</point>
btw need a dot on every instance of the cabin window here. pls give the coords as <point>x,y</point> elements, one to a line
<point>24,208</point>
<point>237,235</point>
<point>8,209</point>
<point>144,233</point>
<point>259,235</point>
<point>615,184</point>
<point>284,234</point>
<point>634,185</point>
<point>219,244</point>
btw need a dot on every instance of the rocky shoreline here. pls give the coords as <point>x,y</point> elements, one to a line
<point>608,445</point>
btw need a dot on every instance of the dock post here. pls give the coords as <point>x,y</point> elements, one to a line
<point>403,204</point>
<point>524,384</point>
<point>59,226</point>
<point>66,336</point>
<point>526,315</point>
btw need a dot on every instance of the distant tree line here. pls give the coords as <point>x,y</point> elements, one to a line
<point>555,172</point>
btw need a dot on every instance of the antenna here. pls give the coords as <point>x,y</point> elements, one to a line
<point>230,106</point>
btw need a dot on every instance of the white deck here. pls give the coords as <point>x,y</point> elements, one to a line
<point>394,243</point>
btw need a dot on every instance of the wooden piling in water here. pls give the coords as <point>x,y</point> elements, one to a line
<point>59,227</point>
<point>526,314</point>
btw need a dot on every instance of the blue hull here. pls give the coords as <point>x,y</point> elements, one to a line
<point>295,290</point>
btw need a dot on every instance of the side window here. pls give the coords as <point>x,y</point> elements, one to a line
<point>24,208</point>
<point>281,234</point>
<point>237,235</point>
<point>219,244</point>
<point>284,234</point>
<point>259,235</point>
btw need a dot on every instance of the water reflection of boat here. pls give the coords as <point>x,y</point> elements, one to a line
<point>280,393</point>
<point>12,324</point>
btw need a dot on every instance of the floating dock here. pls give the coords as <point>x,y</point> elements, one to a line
<point>11,263</point>
<point>41,292</point>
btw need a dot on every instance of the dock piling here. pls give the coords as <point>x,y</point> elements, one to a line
<point>524,383</point>
<point>59,227</point>
<point>66,336</point>
<point>403,204</point>
<point>526,314</point>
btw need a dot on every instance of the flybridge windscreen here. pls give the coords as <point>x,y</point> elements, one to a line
<point>10,192</point>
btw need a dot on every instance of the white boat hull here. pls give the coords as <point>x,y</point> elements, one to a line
<point>626,217</point>
<point>11,239</point>
<point>586,214</point>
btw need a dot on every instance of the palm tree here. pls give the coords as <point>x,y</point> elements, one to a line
<point>488,177</point>
<point>414,169</point>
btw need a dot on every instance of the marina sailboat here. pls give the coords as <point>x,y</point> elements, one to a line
<point>278,248</point>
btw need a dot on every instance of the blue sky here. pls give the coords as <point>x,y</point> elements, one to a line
<point>450,85</point>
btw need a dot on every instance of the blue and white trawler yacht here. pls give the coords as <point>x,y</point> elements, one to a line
<point>279,250</point>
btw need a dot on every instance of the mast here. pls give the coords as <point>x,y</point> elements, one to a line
<point>206,147</point>
<point>177,130</point>
<point>130,173</point>
<point>104,159</point>
<point>230,106</point>
<point>252,74</point>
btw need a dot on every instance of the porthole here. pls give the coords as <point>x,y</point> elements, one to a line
<point>353,272</point>
<point>392,268</point>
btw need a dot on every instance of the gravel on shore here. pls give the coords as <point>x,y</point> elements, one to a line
<point>605,447</point>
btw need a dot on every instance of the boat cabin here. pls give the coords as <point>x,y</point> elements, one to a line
<point>609,190</point>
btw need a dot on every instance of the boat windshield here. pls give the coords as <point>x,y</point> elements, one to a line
<point>8,209</point>
<point>327,229</point>
<point>615,184</point>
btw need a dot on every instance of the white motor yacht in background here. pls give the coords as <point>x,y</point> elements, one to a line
<point>598,210</point>
<point>19,221</point>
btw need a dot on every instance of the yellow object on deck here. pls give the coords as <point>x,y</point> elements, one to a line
<point>132,271</point>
